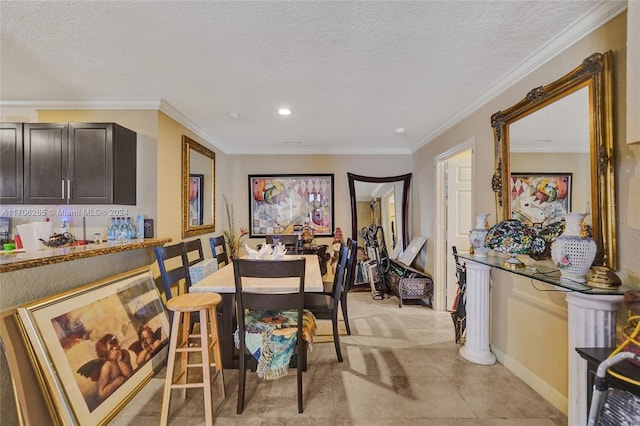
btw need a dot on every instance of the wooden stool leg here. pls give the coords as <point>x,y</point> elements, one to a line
<point>206,367</point>
<point>184,356</point>
<point>166,397</point>
<point>215,343</point>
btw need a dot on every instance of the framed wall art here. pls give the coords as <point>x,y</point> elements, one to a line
<point>278,203</point>
<point>94,348</point>
<point>196,202</point>
<point>540,198</point>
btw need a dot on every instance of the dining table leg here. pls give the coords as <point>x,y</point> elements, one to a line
<point>227,345</point>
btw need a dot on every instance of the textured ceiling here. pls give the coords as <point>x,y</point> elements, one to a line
<point>352,72</point>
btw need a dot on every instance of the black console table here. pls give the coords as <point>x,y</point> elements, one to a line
<point>594,356</point>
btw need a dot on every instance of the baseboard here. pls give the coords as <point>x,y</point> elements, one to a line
<point>555,398</point>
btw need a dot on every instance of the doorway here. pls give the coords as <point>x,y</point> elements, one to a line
<point>454,213</point>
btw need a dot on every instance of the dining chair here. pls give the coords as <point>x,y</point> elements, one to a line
<point>350,276</point>
<point>263,312</point>
<point>191,247</point>
<point>325,305</point>
<point>219,250</point>
<point>289,241</point>
<point>173,266</point>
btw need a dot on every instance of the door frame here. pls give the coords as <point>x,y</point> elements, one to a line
<point>440,279</point>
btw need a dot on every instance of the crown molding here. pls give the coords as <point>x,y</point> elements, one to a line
<point>599,15</point>
<point>153,103</point>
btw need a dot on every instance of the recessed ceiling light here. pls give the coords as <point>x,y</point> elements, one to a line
<point>284,111</point>
<point>400,131</point>
<point>233,115</point>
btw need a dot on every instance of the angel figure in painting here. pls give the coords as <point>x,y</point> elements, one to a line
<point>148,343</point>
<point>111,368</point>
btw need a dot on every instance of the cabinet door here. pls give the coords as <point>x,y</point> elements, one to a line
<point>91,163</point>
<point>11,163</point>
<point>102,164</point>
<point>45,163</point>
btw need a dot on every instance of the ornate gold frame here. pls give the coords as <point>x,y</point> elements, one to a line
<point>189,230</point>
<point>596,74</point>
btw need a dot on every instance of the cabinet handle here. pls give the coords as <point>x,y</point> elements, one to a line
<point>68,189</point>
<point>63,189</point>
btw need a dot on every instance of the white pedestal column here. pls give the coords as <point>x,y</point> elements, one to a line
<point>476,346</point>
<point>591,323</point>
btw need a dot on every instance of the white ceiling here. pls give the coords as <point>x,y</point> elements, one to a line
<point>351,71</point>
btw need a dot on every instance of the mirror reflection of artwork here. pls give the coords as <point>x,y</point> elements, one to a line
<point>196,191</point>
<point>540,199</point>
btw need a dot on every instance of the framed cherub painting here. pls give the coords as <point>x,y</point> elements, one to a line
<point>95,347</point>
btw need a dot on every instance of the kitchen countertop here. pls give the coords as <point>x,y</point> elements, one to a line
<point>14,261</point>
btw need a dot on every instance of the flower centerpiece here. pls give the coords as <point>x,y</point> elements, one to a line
<point>233,242</point>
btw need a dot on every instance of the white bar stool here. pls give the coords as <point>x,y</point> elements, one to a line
<point>182,307</point>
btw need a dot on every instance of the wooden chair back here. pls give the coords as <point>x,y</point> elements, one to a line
<point>172,255</point>
<point>289,241</point>
<point>340,274</point>
<point>193,246</point>
<point>219,250</point>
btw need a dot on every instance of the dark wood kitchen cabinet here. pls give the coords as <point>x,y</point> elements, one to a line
<point>79,163</point>
<point>11,163</point>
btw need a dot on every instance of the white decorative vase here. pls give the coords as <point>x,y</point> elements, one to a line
<point>478,234</point>
<point>573,251</point>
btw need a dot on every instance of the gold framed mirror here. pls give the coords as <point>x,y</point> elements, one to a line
<point>521,142</point>
<point>198,188</point>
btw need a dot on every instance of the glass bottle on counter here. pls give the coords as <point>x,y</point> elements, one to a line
<point>131,230</point>
<point>123,231</point>
<point>112,232</point>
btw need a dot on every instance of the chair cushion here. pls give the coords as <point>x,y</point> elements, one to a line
<point>271,337</point>
<point>201,269</point>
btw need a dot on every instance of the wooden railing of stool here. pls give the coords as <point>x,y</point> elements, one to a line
<point>182,307</point>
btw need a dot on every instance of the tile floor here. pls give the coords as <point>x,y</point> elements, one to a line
<point>401,367</point>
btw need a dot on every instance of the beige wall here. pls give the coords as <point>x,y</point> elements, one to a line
<point>169,185</point>
<point>240,166</point>
<point>528,327</point>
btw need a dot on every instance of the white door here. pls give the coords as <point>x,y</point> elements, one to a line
<point>459,214</point>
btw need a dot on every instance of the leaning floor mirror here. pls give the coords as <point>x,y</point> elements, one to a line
<point>381,201</point>
<point>561,131</point>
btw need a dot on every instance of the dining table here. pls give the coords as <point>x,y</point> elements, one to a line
<point>222,281</point>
